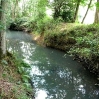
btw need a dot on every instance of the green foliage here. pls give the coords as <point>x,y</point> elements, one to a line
<point>82,41</point>
<point>18,24</point>
<point>67,16</point>
<point>97,5</point>
<point>87,43</point>
<point>63,9</point>
<point>24,69</point>
<point>4,62</point>
<point>58,38</point>
<point>43,24</point>
<point>18,83</point>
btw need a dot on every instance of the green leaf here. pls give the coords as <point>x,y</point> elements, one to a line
<point>4,62</point>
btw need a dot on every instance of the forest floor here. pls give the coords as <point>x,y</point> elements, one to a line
<point>11,84</point>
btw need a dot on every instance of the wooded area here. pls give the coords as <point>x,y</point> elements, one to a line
<point>58,24</point>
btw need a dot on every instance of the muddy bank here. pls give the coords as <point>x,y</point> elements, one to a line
<point>38,38</point>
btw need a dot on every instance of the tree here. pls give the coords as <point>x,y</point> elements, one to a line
<point>96,20</point>
<point>14,6</point>
<point>77,8</point>
<point>86,11</point>
<point>57,8</point>
<point>2,28</point>
<point>63,9</point>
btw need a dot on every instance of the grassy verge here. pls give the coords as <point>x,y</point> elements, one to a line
<point>60,37</point>
<point>82,41</point>
<point>14,79</point>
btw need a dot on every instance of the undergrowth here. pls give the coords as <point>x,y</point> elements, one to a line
<point>14,79</point>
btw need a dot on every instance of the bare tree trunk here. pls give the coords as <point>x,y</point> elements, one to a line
<point>76,12</point>
<point>96,20</point>
<point>2,28</point>
<point>86,11</point>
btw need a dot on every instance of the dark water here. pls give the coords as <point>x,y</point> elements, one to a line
<point>54,74</point>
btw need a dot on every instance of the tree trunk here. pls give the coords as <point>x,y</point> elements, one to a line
<point>57,13</point>
<point>76,12</point>
<point>96,20</point>
<point>86,11</point>
<point>2,28</point>
<point>24,8</point>
<point>15,10</point>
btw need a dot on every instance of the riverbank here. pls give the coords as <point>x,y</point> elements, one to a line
<point>80,41</point>
<point>13,80</point>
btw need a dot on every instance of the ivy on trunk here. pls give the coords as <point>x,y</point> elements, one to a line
<point>2,28</point>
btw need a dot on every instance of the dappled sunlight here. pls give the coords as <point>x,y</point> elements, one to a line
<point>41,94</point>
<point>25,47</point>
<point>35,71</point>
<point>49,12</point>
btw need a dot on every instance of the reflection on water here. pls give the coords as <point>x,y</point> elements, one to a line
<point>54,75</point>
<point>41,94</point>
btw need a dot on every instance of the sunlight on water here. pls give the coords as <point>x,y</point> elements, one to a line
<point>35,71</point>
<point>41,94</point>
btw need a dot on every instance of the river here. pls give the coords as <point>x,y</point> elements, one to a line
<point>54,74</point>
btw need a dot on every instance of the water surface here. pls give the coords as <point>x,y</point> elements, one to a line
<point>54,74</point>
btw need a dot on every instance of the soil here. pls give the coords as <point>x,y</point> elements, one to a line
<point>39,39</point>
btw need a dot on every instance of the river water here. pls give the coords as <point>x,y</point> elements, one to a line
<point>54,74</point>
